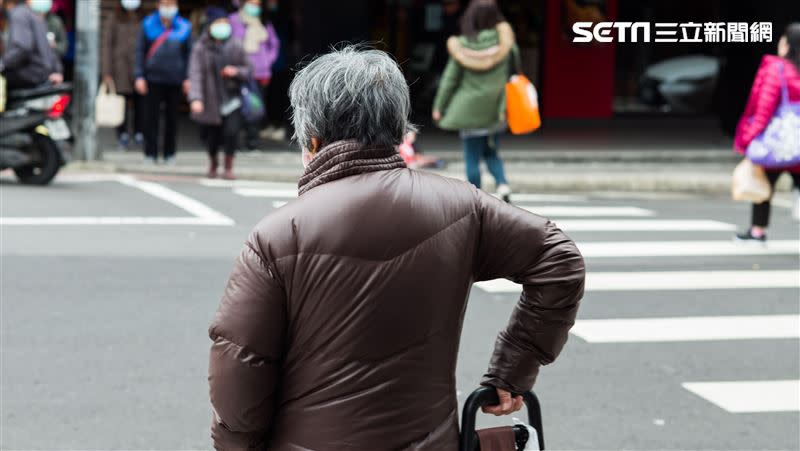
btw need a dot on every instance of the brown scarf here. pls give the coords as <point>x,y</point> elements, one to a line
<point>345,158</point>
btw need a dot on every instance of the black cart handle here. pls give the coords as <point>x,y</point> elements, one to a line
<point>486,396</point>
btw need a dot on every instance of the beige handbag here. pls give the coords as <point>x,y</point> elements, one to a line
<point>750,183</point>
<point>109,106</point>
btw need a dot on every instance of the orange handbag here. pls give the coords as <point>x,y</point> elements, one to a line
<point>522,104</point>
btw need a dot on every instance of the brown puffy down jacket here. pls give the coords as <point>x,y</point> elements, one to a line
<point>340,324</point>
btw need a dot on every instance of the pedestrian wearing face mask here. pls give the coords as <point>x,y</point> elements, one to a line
<point>162,59</point>
<point>56,32</point>
<point>118,59</point>
<point>261,43</point>
<point>217,68</point>
<point>28,60</point>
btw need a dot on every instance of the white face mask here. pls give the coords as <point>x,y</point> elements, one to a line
<point>131,5</point>
<point>168,12</point>
<point>41,6</point>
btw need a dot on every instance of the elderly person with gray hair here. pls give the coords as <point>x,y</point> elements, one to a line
<point>340,323</point>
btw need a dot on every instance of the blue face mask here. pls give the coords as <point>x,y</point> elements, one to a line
<point>220,31</point>
<point>41,6</point>
<point>252,10</point>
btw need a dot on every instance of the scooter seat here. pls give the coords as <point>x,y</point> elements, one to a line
<point>39,91</point>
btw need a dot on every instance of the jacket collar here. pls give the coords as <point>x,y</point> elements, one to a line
<point>346,158</point>
<point>483,59</point>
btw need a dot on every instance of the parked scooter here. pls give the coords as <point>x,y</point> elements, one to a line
<point>32,132</point>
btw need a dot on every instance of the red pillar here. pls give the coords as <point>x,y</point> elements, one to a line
<point>578,79</point>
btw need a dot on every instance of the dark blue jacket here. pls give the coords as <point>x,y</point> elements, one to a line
<point>170,61</point>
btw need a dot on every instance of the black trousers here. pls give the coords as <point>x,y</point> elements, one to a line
<point>170,96</point>
<point>225,135</point>
<point>134,106</point>
<point>760,216</point>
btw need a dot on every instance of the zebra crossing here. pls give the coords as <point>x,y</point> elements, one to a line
<point>629,232</point>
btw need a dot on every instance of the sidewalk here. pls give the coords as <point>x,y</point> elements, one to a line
<point>541,171</point>
<point>628,155</point>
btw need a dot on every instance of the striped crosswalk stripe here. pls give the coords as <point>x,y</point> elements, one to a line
<point>261,192</point>
<point>644,225</point>
<point>670,280</point>
<point>621,249</point>
<point>563,211</point>
<point>697,328</point>
<point>750,396</point>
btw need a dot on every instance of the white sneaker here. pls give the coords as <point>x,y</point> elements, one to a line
<point>169,161</point>
<point>149,161</point>
<point>504,192</point>
<point>796,205</point>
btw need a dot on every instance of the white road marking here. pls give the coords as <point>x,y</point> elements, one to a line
<point>669,280</point>
<point>112,220</point>
<point>279,203</point>
<point>266,192</point>
<point>642,225</point>
<point>697,328</point>
<point>201,213</point>
<point>561,211</point>
<point>750,396</point>
<point>181,201</point>
<point>615,249</point>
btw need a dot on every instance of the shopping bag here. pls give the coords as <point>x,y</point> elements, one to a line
<point>109,106</point>
<point>522,105</point>
<point>750,183</point>
<point>253,108</point>
<point>778,146</point>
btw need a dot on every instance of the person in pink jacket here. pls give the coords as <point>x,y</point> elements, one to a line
<point>765,96</point>
<point>261,43</point>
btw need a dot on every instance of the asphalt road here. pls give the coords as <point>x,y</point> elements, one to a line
<point>109,284</point>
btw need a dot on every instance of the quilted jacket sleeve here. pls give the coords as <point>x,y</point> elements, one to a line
<point>248,334</point>
<point>765,96</point>
<point>529,250</point>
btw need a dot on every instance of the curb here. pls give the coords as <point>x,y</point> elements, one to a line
<point>708,183</point>
<point>717,183</point>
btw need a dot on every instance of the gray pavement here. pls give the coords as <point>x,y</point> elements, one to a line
<point>104,341</point>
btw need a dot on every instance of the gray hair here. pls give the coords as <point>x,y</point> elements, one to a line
<point>350,93</point>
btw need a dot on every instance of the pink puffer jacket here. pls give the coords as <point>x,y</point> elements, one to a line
<point>765,96</point>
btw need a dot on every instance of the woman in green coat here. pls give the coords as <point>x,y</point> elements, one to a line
<point>471,95</point>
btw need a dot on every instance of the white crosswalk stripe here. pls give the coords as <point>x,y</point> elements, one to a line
<point>698,328</point>
<point>262,192</point>
<point>750,396</point>
<point>622,249</point>
<point>644,225</point>
<point>669,281</point>
<point>563,211</point>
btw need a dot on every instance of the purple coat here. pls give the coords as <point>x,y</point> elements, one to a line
<point>267,53</point>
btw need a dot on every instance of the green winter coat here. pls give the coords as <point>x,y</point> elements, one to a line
<point>471,93</point>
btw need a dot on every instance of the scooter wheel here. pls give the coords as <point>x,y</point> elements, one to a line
<point>46,166</point>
